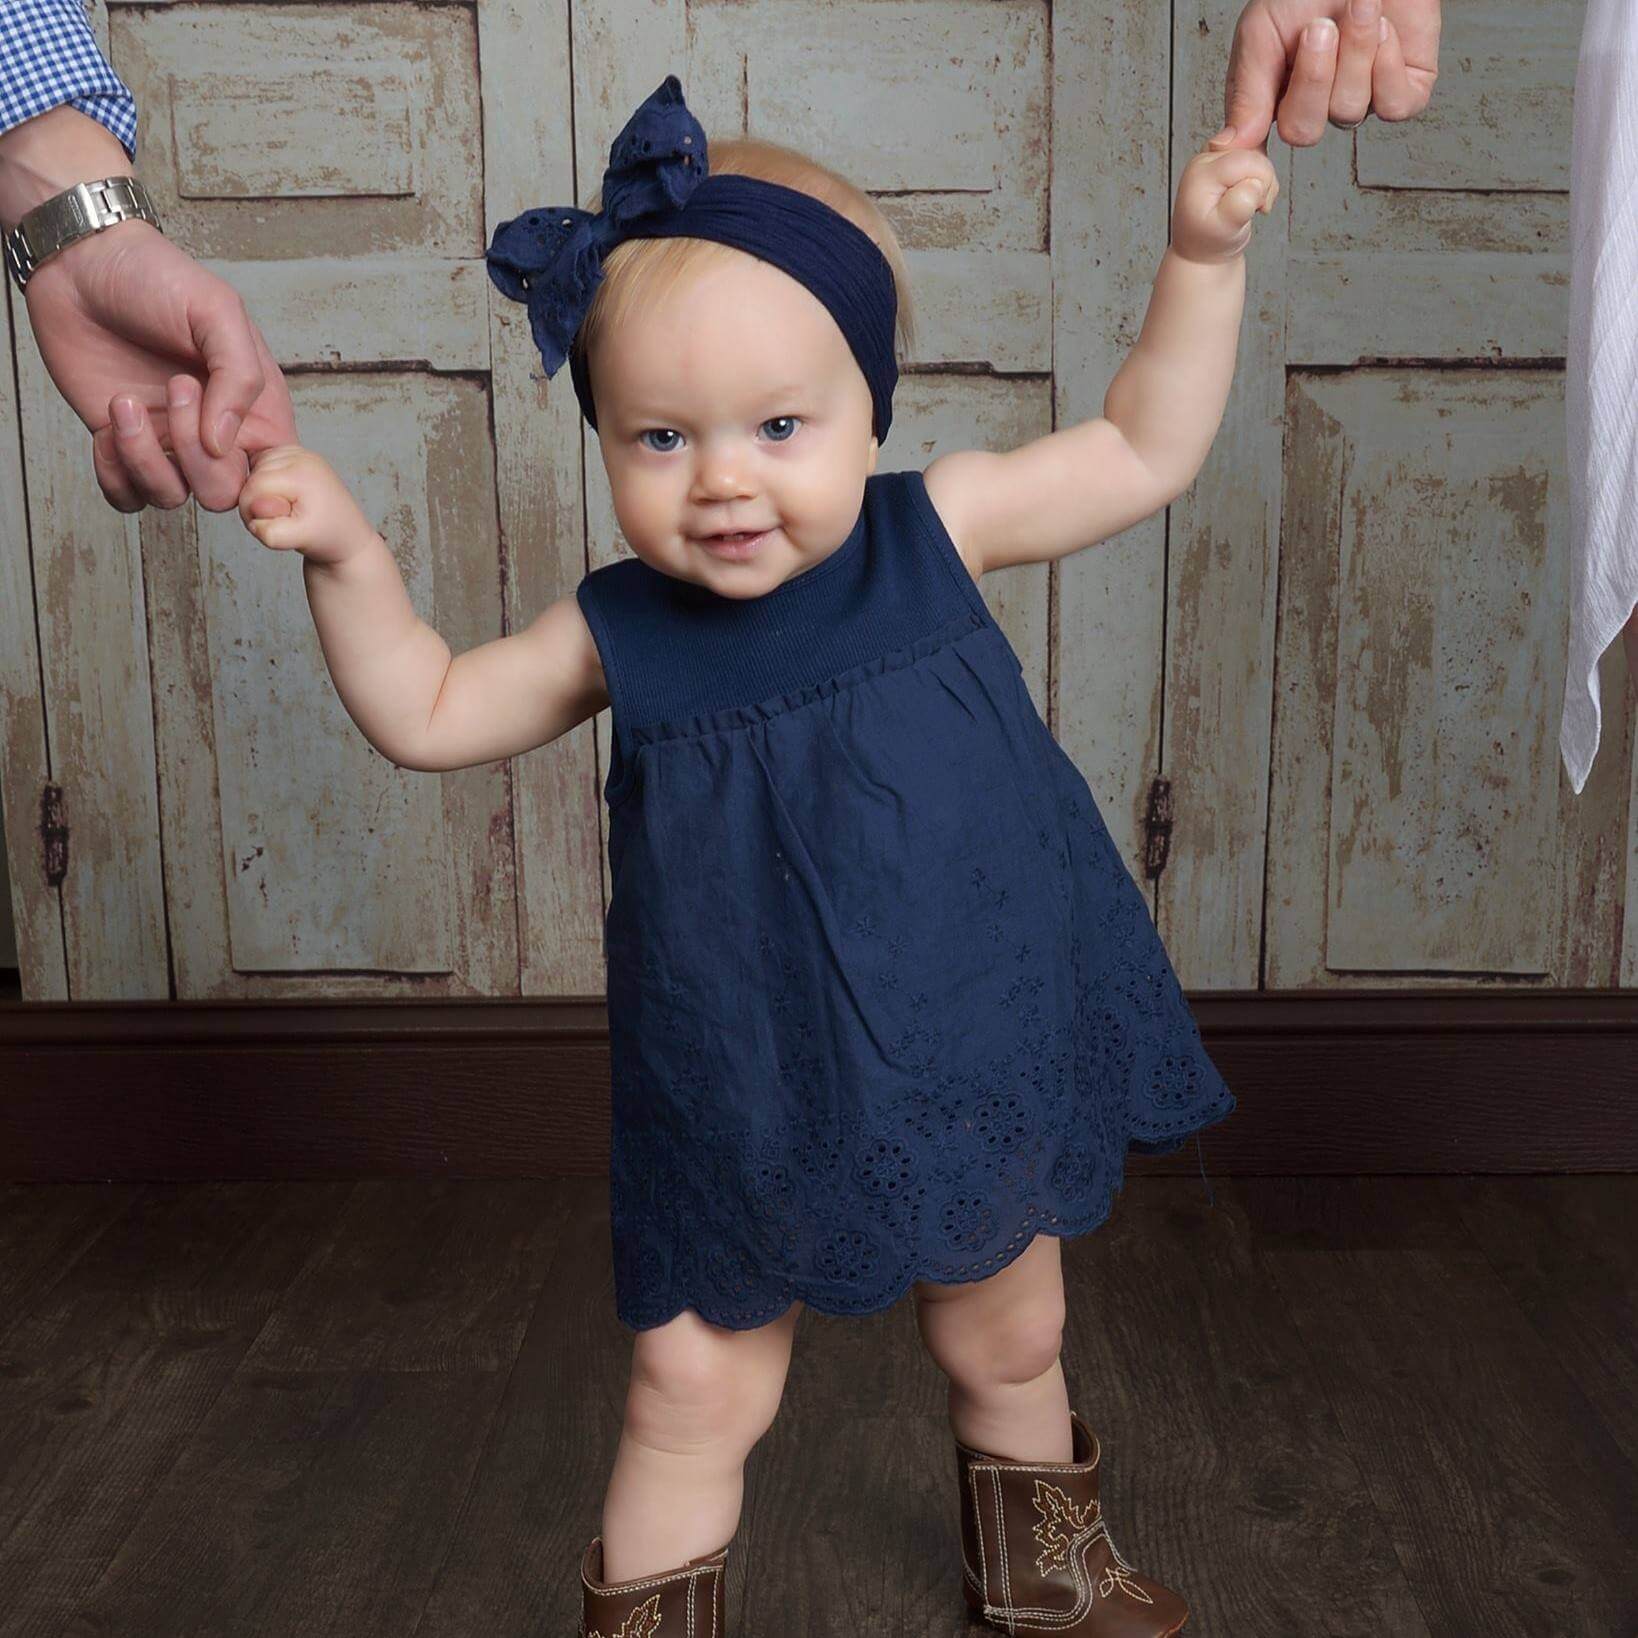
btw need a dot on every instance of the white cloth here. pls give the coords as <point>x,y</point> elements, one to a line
<point>1601,380</point>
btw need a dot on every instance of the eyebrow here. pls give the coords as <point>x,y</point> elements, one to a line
<point>641,410</point>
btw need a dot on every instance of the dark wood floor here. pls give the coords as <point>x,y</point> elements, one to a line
<point>1377,1406</point>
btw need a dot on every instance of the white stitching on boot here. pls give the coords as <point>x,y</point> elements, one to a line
<point>641,1615</point>
<point>978,1530</point>
<point>1001,1549</point>
<point>1038,1618</point>
<point>1058,1511</point>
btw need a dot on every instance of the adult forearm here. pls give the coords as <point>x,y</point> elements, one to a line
<point>1169,393</point>
<point>387,663</point>
<point>41,156</point>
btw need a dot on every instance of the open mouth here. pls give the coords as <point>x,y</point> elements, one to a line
<point>735,543</point>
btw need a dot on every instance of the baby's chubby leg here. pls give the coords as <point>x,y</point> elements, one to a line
<point>699,1399</point>
<point>998,1340</point>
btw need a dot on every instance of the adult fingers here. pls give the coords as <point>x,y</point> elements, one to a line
<point>274,406</point>
<point>221,330</point>
<point>156,481</point>
<point>1306,106</point>
<point>1256,73</point>
<point>112,477</point>
<point>215,483</point>
<point>1351,91</point>
<point>1416,25</point>
<point>1393,96</point>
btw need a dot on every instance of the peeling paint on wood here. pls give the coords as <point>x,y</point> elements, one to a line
<point>1341,643</point>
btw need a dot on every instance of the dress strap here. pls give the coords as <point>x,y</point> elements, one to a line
<point>931,526</point>
<point>589,596</point>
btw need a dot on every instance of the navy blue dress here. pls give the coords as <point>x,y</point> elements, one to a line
<point>884,1000</point>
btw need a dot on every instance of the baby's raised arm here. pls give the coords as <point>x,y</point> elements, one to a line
<point>1080,485</point>
<point>418,705</point>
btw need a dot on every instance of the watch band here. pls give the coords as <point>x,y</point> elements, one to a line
<point>87,207</point>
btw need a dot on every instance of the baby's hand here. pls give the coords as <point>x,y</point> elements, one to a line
<point>1221,190</point>
<point>294,500</point>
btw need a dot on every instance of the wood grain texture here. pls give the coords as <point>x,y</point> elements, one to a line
<point>1221,567</point>
<point>33,898</point>
<point>1508,1502</point>
<point>1337,1407</point>
<point>541,449</point>
<point>1316,699</point>
<point>1111,206</point>
<point>91,618</point>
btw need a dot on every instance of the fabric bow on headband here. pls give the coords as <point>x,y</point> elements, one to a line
<point>552,258</point>
<point>658,186</point>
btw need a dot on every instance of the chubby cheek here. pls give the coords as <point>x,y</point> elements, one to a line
<point>648,512</point>
<point>811,512</point>
<point>825,519</point>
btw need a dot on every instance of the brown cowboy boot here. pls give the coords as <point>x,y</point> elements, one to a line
<point>682,1603</point>
<point>1037,1555</point>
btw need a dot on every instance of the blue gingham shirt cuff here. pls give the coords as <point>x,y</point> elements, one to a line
<point>48,56</point>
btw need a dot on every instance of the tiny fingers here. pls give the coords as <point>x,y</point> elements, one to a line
<point>1247,197</point>
<point>1255,191</point>
<point>1260,191</point>
<point>268,514</point>
<point>279,534</point>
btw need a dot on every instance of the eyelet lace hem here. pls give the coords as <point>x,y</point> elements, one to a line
<point>743,1317</point>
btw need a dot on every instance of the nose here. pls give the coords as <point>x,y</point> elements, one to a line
<point>719,474</point>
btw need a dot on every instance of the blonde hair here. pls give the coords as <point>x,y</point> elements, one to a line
<point>638,273</point>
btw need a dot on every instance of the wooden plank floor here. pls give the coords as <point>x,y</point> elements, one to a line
<point>1330,1406</point>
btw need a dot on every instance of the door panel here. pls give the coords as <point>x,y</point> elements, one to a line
<point>1314,697</point>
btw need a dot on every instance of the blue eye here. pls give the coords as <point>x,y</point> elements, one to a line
<point>773,420</point>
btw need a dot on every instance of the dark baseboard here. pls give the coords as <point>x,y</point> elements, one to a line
<point>1327,1081</point>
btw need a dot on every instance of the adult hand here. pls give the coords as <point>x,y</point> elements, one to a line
<point>116,316</point>
<point>1336,77</point>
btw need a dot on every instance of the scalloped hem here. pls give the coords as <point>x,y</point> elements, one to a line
<point>1172,1142</point>
<point>1060,1228</point>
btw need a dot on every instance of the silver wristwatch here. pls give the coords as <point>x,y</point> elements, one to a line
<point>87,207</point>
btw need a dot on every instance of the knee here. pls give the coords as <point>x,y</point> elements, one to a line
<point>695,1385</point>
<point>990,1349</point>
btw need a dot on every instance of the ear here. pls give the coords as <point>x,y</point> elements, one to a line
<point>874,446</point>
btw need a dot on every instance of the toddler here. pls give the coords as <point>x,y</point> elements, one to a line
<point>886,1008</point>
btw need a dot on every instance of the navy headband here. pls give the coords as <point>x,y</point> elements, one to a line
<point>658,186</point>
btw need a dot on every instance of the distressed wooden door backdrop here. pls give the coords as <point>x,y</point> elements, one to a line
<point>1317,699</point>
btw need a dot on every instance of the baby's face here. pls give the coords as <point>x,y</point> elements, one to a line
<point>734,404</point>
